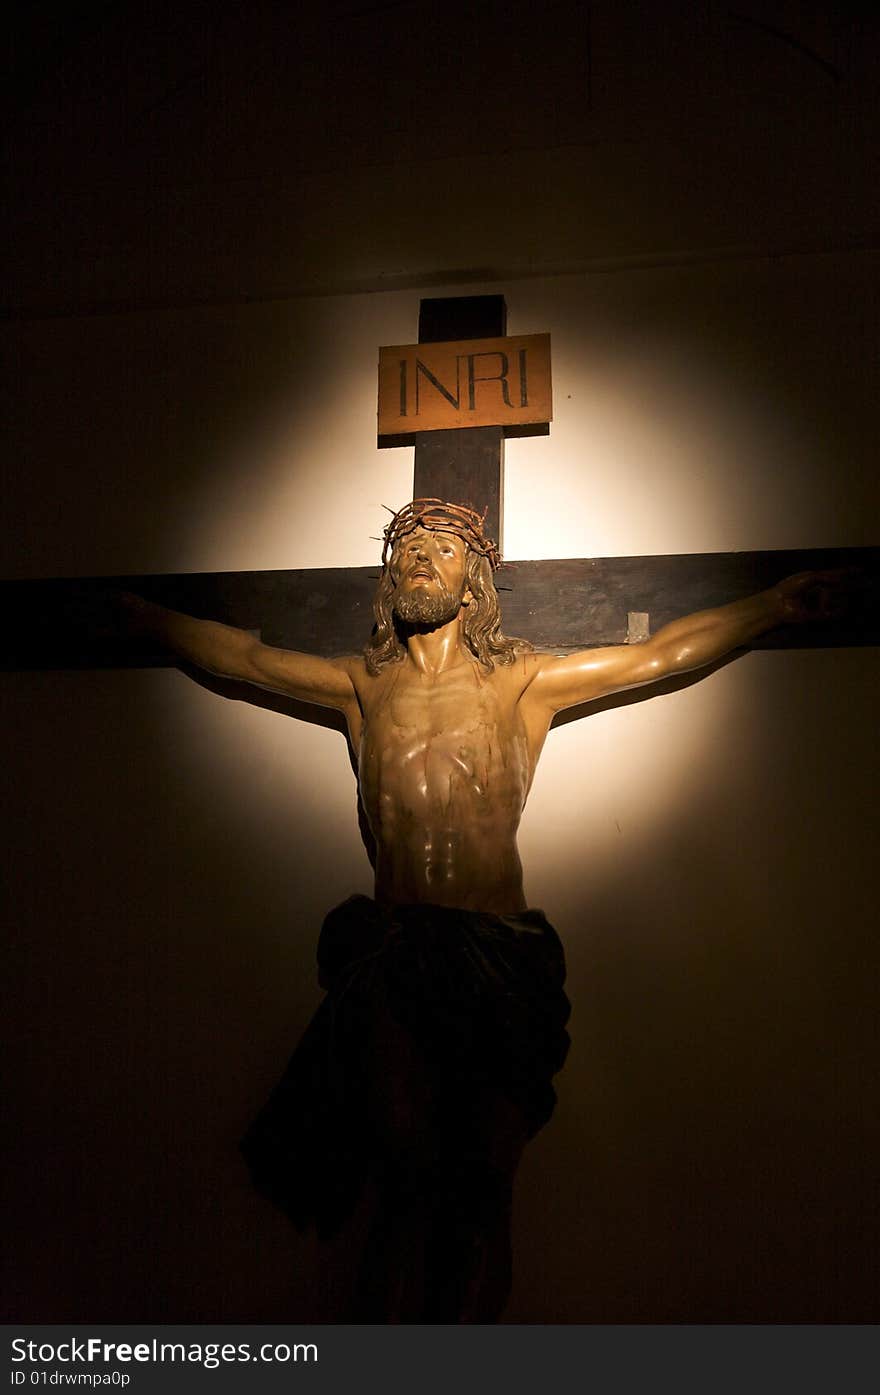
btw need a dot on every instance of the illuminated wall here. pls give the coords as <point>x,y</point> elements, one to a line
<point>703,854</point>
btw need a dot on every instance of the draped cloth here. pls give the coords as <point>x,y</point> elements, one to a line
<point>480,995</point>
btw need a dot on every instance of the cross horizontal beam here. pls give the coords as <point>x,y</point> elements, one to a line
<point>559,605</point>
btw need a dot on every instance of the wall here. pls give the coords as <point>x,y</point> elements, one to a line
<point>703,853</point>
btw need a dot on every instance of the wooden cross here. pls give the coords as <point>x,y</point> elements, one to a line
<point>558,605</point>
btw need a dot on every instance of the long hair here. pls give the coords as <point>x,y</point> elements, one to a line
<point>481,624</point>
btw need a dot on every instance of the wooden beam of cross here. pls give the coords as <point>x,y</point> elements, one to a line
<point>558,605</point>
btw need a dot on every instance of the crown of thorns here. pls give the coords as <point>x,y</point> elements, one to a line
<point>438,516</point>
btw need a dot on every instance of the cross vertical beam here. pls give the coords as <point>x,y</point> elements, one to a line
<point>465,466</point>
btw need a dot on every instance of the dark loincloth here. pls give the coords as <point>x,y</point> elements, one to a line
<point>481,996</point>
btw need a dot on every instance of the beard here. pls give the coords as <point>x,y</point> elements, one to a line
<point>423,607</point>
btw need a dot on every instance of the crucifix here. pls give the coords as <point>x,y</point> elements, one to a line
<point>429,1064</point>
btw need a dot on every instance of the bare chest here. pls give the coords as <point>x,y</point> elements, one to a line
<point>449,738</point>
<point>451,705</point>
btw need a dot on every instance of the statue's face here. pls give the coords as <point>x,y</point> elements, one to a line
<point>430,574</point>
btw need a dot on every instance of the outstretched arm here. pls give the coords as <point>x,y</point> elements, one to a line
<point>685,644</point>
<point>232,653</point>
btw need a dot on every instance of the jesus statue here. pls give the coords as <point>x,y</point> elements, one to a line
<point>430,1061</point>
